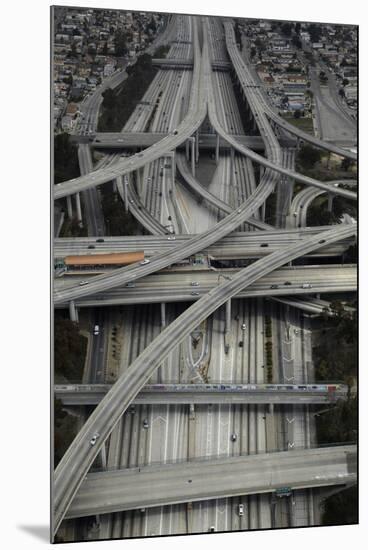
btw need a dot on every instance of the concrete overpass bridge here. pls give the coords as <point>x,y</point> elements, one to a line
<point>182,64</point>
<point>181,394</point>
<point>143,140</point>
<point>116,491</point>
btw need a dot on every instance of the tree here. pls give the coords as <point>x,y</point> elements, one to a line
<point>109,99</point>
<point>346,164</point>
<point>237,31</point>
<point>345,82</point>
<point>260,44</point>
<point>69,350</point>
<point>297,27</point>
<point>286,28</point>
<point>315,32</point>
<point>152,25</point>
<point>342,508</point>
<point>296,41</point>
<point>297,113</point>
<point>66,164</point>
<point>121,48</point>
<point>308,156</point>
<point>68,80</point>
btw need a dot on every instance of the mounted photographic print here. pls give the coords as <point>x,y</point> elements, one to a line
<point>204,183</point>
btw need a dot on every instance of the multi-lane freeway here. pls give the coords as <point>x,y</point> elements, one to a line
<point>198,184</point>
<point>80,455</point>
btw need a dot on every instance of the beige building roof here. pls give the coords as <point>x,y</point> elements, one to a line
<point>122,258</point>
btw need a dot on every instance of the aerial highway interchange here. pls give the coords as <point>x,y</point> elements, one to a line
<point>201,319</point>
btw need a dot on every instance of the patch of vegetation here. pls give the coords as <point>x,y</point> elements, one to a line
<point>339,424</point>
<point>318,213</point>
<point>66,164</point>
<point>341,206</point>
<point>268,346</point>
<point>308,156</point>
<point>161,52</point>
<point>72,228</point>
<point>303,123</point>
<point>238,34</point>
<point>327,169</point>
<point>69,350</point>
<point>65,430</point>
<point>342,508</point>
<point>118,106</point>
<point>337,362</point>
<point>118,222</point>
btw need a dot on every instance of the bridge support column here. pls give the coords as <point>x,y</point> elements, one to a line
<point>138,181</point>
<point>197,145</point>
<point>163,314</point>
<point>193,156</point>
<point>270,408</point>
<point>227,326</point>
<point>217,148</point>
<point>96,524</point>
<point>187,150</point>
<point>79,209</point>
<point>173,169</point>
<point>261,172</point>
<point>263,211</point>
<point>228,316</point>
<point>103,457</point>
<point>231,166</point>
<point>254,124</point>
<point>329,203</point>
<point>69,206</point>
<point>73,312</point>
<point>125,193</point>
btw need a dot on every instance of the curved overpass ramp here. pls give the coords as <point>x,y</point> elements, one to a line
<point>79,457</point>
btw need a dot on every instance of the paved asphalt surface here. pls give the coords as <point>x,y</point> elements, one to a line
<point>127,489</point>
<point>176,285</point>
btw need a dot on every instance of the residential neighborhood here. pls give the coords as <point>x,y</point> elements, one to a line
<point>90,46</point>
<point>284,54</point>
